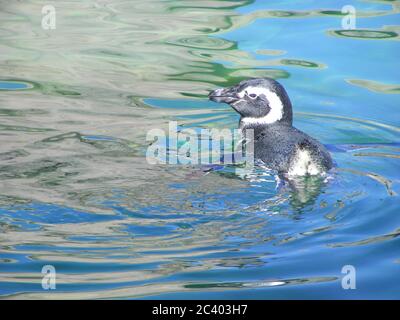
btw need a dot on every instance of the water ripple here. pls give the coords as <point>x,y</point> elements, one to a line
<point>76,189</point>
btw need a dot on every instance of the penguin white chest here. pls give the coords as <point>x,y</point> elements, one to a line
<point>303,165</point>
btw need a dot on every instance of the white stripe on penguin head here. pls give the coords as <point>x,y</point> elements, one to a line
<point>275,103</point>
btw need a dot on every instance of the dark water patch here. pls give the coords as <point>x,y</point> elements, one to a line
<point>310,14</point>
<point>63,136</point>
<point>203,42</point>
<point>258,284</point>
<point>362,146</point>
<point>13,154</point>
<point>365,34</point>
<point>300,63</point>
<point>21,112</point>
<point>67,92</point>
<point>32,169</point>
<point>219,5</point>
<point>59,90</point>
<point>6,200</point>
<point>332,12</point>
<point>105,53</point>
<point>6,260</point>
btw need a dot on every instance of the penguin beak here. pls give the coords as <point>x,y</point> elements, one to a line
<point>226,95</point>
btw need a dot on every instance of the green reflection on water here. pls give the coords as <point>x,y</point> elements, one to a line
<point>365,34</point>
<point>375,86</point>
<point>301,63</point>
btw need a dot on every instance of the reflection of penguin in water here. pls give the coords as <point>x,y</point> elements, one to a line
<point>264,106</point>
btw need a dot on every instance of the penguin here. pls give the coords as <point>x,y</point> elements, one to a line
<point>265,107</point>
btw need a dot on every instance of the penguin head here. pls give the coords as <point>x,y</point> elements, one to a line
<point>258,101</point>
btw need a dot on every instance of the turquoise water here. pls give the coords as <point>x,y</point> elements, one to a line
<point>76,190</point>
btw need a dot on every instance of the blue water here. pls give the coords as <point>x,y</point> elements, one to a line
<point>12,85</point>
<point>76,190</point>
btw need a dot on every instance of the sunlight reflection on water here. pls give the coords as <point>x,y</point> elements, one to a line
<point>76,190</point>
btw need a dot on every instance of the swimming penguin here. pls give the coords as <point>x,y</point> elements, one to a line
<point>265,107</point>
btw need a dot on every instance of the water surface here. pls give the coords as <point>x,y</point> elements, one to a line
<point>77,193</point>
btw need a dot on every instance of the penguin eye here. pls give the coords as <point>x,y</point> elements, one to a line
<point>252,95</point>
